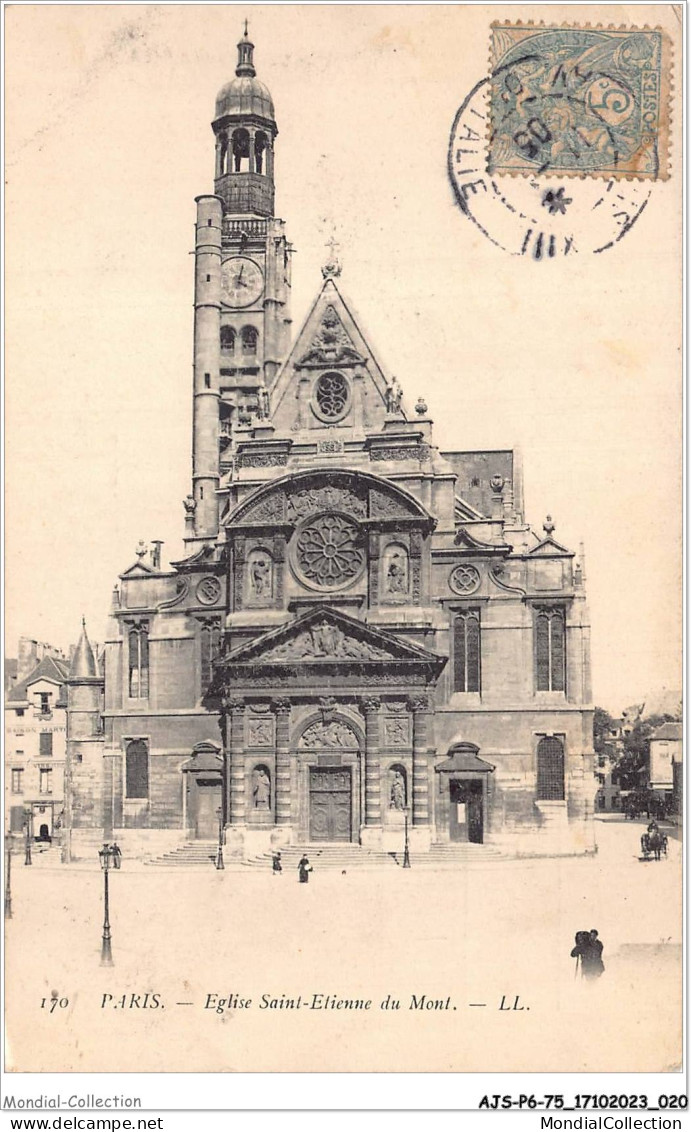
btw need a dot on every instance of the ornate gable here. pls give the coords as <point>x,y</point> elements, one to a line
<point>328,639</point>
<point>331,345</point>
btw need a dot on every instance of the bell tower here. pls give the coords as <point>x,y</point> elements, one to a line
<point>242,288</point>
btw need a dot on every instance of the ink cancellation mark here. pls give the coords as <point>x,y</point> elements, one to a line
<point>537,217</point>
<point>579,102</point>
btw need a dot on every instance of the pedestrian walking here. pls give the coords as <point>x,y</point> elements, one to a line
<point>276,863</point>
<point>304,870</point>
<point>588,952</point>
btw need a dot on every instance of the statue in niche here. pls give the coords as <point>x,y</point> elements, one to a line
<point>397,791</point>
<point>261,789</point>
<point>260,574</point>
<point>396,570</point>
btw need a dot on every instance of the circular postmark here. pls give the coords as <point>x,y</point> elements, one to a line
<point>540,216</point>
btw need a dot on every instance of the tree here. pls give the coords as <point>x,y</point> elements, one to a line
<point>631,767</point>
<point>603,725</point>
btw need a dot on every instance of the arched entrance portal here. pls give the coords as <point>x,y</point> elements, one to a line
<point>328,754</point>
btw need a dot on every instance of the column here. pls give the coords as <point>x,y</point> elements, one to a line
<point>236,776</point>
<point>371,819</point>
<point>224,728</point>
<point>421,708</point>
<point>281,709</point>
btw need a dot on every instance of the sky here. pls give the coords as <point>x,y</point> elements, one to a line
<point>576,361</point>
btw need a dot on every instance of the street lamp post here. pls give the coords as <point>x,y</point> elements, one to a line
<point>8,879</point>
<point>105,854</point>
<point>27,844</point>
<point>406,847</point>
<point>219,855</point>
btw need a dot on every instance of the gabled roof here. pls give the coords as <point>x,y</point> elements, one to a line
<point>49,668</point>
<point>331,335</point>
<point>550,546</point>
<point>668,731</point>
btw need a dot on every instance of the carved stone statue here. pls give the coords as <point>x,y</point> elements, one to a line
<point>397,791</point>
<point>260,575</point>
<point>261,790</point>
<point>190,505</point>
<point>396,581</point>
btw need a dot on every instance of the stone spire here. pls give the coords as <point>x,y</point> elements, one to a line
<point>83,664</point>
<point>245,62</point>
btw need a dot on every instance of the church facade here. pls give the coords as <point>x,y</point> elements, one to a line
<point>364,634</point>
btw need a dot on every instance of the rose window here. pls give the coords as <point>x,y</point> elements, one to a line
<point>329,551</point>
<point>331,396</point>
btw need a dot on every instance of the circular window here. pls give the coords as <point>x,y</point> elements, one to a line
<point>329,551</point>
<point>464,579</point>
<point>331,397</point>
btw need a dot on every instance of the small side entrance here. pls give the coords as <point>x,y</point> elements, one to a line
<point>208,799</point>
<point>465,811</point>
<point>331,800</point>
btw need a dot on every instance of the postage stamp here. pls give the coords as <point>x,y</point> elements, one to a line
<point>579,101</point>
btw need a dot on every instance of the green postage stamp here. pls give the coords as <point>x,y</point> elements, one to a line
<point>579,102</point>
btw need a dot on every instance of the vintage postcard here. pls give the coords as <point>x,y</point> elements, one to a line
<point>343,724</point>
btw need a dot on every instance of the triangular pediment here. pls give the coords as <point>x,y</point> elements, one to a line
<point>331,345</point>
<point>332,340</point>
<point>328,637</point>
<point>550,547</point>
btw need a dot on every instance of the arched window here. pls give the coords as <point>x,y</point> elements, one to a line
<point>241,151</point>
<point>550,770</point>
<point>228,339</point>
<point>550,652</point>
<point>137,770</point>
<point>210,640</point>
<point>260,143</point>
<point>466,651</point>
<point>250,337</point>
<point>331,396</point>
<point>138,652</point>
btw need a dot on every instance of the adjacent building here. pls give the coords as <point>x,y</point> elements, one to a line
<point>35,737</point>
<point>364,631</point>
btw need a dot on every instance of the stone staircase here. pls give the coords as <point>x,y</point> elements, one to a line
<point>335,857</point>
<point>193,854</point>
<point>326,857</point>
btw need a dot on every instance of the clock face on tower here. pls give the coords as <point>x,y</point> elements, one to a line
<point>242,281</point>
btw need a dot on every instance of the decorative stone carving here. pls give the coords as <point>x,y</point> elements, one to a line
<point>260,732</point>
<point>397,731</point>
<point>331,397</point>
<point>261,460</point>
<point>396,572</point>
<point>464,579</point>
<point>329,447</point>
<point>327,705</point>
<point>387,506</point>
<point>270,509</point>
<point>403,452</point>
<point>329,551</point>
<point>397,789</point>
<point>331,344</point>
<point>280,706</point>
<point>330,497</point>
<point>323,639</point>
<point>419,703</point>
<point>333,734</point>
<point>208,591</point>
<point>371,704</point>
<point>260,584</point>
<point>261,788</point>
<point>234,704</point>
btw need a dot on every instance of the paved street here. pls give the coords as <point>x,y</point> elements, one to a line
<point>480,936</point>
